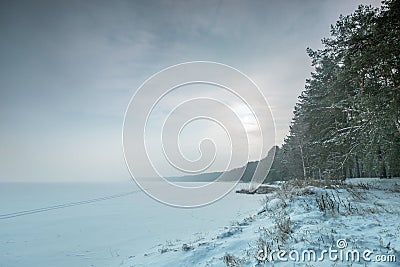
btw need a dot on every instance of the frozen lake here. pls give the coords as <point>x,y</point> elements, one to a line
<point>79,224</point>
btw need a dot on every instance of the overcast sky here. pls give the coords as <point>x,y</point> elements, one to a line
<point>69,68</point>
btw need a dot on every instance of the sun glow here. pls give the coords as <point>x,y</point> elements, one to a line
<point>247,117</point>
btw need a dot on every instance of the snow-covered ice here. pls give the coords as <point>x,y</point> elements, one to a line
<point>134,230</point>
<point>99,233</point>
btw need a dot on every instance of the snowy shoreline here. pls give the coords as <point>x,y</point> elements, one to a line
<point>134,230</point>
<point>363,213</point>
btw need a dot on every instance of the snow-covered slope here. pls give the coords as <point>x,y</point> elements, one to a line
<point>356,219</point>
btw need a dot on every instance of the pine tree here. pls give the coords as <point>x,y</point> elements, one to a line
<point>347,120</point>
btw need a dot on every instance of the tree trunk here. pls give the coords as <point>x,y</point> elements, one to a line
<point>302,161</point>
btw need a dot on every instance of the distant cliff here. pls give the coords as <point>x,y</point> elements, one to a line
<point>250,171</point>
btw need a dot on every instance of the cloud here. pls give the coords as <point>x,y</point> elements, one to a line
<point>68,69</point>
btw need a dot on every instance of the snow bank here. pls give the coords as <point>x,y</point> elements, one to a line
<point>363,216</point>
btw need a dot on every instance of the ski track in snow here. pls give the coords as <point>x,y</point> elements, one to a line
<point>66,205</point>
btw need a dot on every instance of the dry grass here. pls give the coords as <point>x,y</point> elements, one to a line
<point>232,261</point>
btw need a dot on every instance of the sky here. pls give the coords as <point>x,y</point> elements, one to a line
<point>68,70</point>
